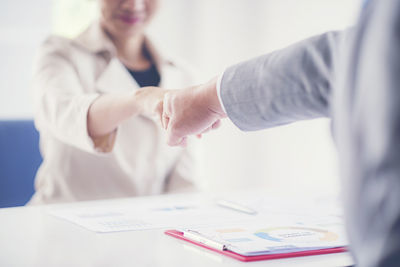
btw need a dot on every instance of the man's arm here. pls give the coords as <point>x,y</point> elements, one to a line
<point>288,85</point>
<point>285,86</point>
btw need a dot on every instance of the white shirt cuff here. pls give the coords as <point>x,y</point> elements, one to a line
<point>219,91</point>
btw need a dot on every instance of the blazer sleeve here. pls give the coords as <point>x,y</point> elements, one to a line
<point>285,86</point>
<point>60,101</point>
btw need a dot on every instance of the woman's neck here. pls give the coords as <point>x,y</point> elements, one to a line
<point>131,51</point>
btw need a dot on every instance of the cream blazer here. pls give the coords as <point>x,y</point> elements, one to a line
<point>69,75</point>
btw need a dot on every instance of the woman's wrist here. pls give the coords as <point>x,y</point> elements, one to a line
<point>148,101</point>
<point>133,106</point>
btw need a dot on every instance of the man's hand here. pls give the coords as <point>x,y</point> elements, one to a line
<point>191,111</point>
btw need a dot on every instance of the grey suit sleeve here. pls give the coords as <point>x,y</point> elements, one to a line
<point>285,86</point>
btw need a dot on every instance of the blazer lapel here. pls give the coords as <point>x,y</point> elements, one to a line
<point>170,77</point>
<point>115,79</point>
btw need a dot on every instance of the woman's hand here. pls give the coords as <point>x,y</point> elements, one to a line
<point>149,101</point>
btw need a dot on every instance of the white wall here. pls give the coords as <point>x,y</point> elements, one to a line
<point>23,25</point>
<point>209,34</point>
<point>212,34</point>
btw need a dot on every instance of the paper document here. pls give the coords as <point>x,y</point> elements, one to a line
<point>133,215</point>
<point>187,211</point>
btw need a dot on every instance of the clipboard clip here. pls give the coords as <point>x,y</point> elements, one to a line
<point>197,237</point>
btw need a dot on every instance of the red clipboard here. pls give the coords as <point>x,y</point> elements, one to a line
<point>179,235</point>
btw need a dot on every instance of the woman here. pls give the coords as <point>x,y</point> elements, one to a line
<point>99,134</point>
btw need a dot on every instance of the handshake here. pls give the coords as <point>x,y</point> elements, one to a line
<point>190,111</point>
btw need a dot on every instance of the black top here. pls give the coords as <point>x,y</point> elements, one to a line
<point>149,77</point>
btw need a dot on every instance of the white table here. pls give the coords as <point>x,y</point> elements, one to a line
<point>29,236</point>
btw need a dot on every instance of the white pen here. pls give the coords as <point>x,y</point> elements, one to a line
<point>235,206</point>
<point>195,236</point>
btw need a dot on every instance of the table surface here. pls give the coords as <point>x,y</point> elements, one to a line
<point>30,236</point>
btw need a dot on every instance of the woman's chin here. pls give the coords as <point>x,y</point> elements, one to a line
<point>126,29</point>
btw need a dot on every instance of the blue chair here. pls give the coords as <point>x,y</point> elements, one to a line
<point>19,161</point>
